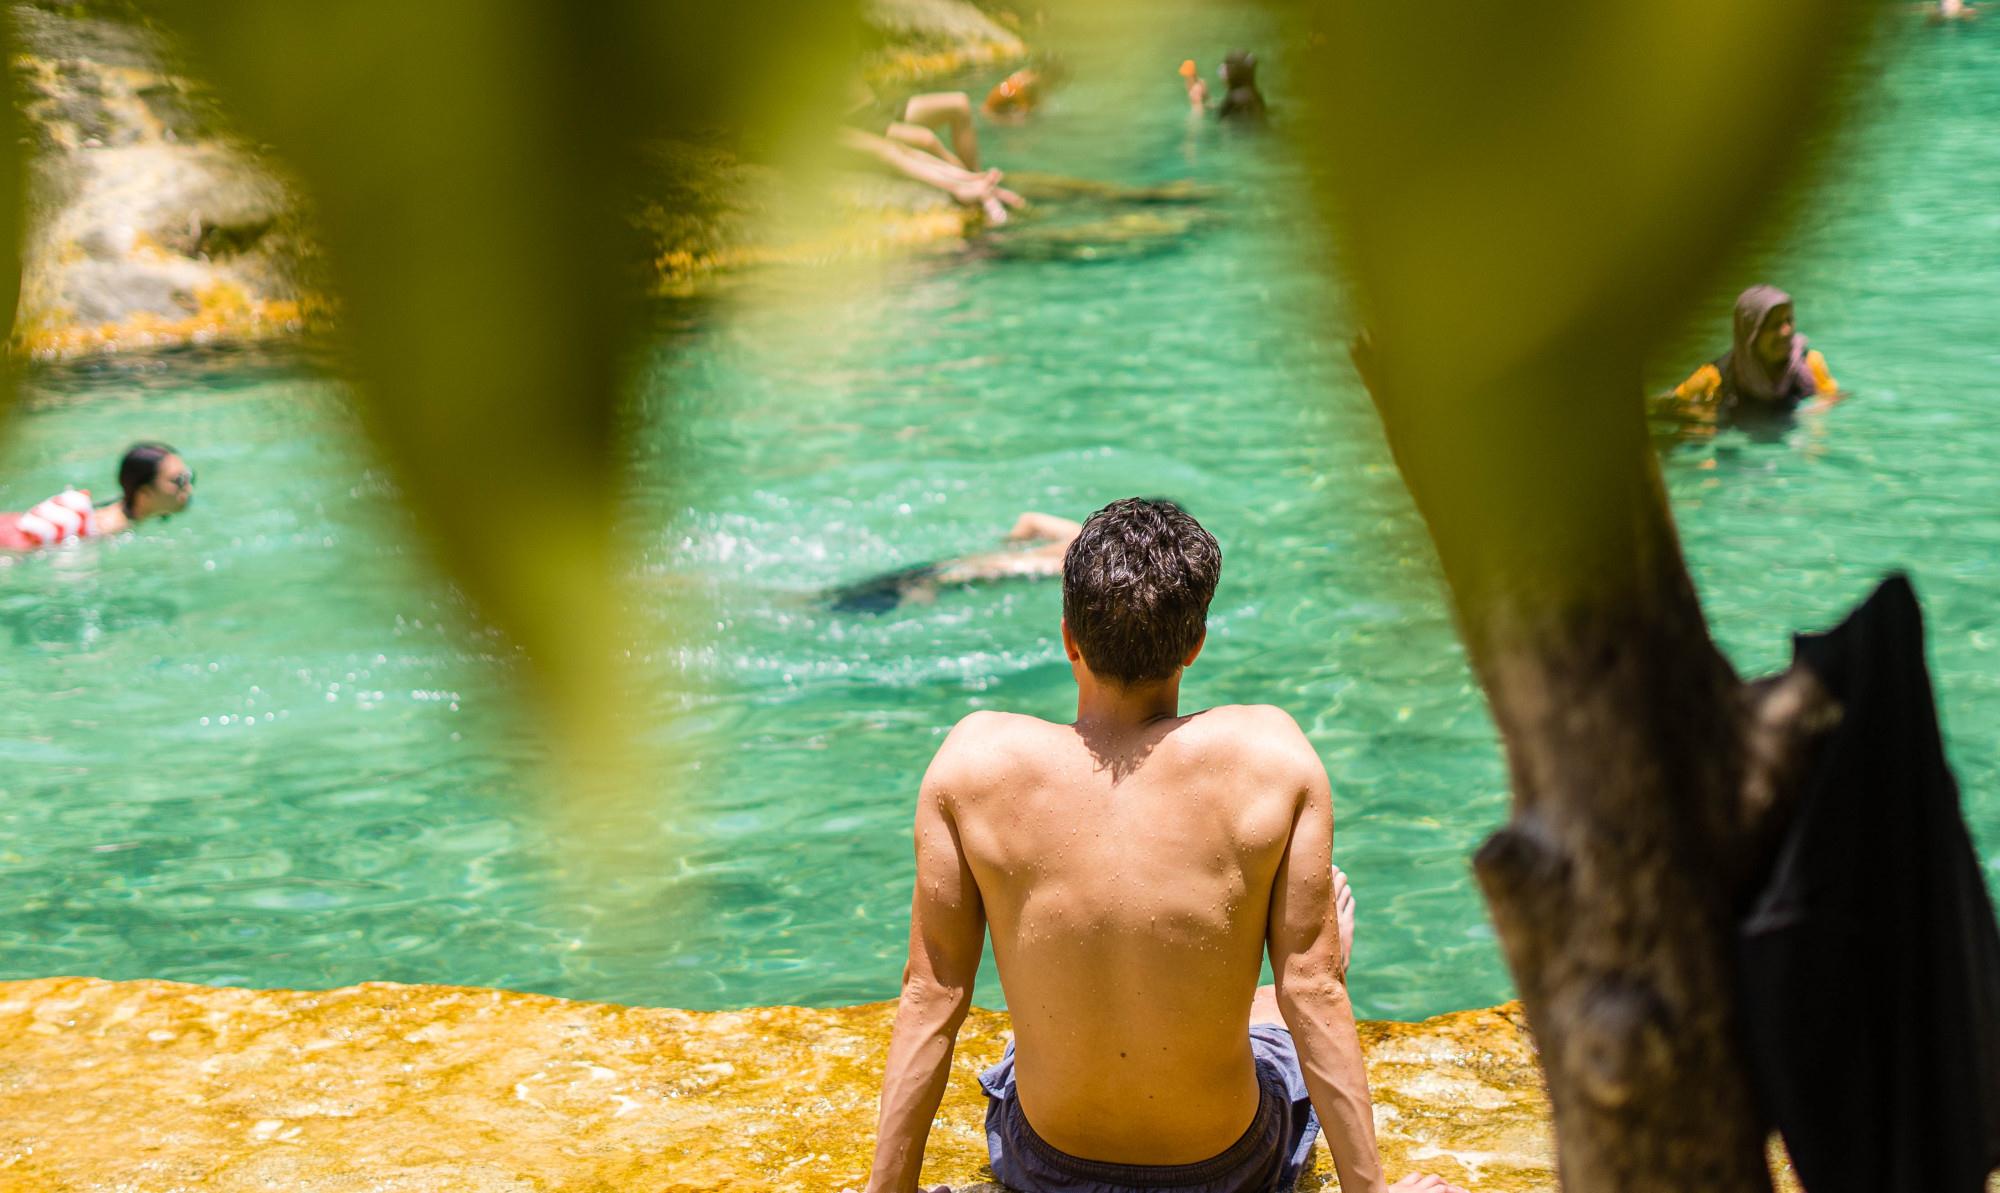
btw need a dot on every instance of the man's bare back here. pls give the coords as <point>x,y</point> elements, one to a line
<point>1134,867</point>
<point>1127,884</point>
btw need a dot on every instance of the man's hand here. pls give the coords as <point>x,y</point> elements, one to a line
<point>1424,1182</point>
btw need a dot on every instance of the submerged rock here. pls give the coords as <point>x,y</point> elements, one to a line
<point>1111,236</point>
<point>145,1086</point>
<point>1038,187</point>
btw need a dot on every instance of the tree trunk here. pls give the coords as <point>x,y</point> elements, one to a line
<point>1645,775</point>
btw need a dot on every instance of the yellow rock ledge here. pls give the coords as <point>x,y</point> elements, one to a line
<point>160,1086</point>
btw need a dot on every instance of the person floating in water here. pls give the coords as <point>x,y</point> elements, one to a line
<point>904,135</point>
<point>1768,369</point>
<point>1241,100</point>
<point>1133,868</point>
<point>1038,542</point>
<point>153,481</point>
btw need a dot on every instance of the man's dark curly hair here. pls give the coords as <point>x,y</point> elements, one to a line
<point>1136,586</point>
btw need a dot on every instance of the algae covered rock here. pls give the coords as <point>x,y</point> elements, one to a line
<point>148,225</point>
<point>149,1087</point>
<point>920,39</point>
<point>707,211</point>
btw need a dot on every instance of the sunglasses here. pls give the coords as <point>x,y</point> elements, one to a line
<point>184,481</point>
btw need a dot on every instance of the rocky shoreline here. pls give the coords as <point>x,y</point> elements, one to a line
<point>155,1086</point>
<point>150,224</point>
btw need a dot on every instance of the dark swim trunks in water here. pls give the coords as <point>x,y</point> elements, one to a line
<point>1267,1158</point>
<point>879,594</point>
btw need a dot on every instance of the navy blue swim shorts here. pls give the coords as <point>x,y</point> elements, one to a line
<point>1266,1159</point>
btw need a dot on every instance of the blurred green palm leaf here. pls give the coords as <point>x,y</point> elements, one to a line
<point>471,165</point>
<point>1528,198</point>
<point>13,172</point>
<point>1509,174</point>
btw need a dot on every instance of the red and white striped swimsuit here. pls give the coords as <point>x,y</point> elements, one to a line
<point>67,515</point>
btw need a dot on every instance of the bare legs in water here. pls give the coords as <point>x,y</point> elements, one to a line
<point>915,148</point>
<point>928,116</point>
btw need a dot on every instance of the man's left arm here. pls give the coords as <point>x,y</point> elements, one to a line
<point>947,934</point>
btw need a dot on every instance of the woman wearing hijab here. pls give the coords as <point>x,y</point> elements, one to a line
<point>1768,368</point>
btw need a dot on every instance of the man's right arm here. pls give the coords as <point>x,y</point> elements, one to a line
<point>1311,977</point>
<point>947,935</point>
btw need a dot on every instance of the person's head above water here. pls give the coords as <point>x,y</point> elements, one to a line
<point>1767,356</point>
<point>1764,321</point>
<point>1239,81</point>
<point>1136,586</point>
<point>153,481</point>
<point>1239,69</point>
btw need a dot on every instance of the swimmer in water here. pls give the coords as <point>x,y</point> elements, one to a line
<point>1767,371</point>
<point>1241,100</point>
<point>152,479</point>
<point>1038,543</point>
<point>1197,88</point>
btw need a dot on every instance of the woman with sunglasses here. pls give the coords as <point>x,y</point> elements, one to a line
<point>153,480</point>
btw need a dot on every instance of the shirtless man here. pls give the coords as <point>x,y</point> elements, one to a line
<point>1133,867</point>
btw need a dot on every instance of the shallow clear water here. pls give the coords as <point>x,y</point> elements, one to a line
<point>263,744</point>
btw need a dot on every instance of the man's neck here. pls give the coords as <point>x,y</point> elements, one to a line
<point>1117,708</point>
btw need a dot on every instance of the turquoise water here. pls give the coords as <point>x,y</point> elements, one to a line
<point>263,744</point>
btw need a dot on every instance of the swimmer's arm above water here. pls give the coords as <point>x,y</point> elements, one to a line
<point>1033,527</point>
<point>1701,387</point>
<point>1197,90</point>
<point>947,935</point>
<point>1828,390</point>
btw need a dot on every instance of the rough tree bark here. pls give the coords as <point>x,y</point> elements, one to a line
<point>1647,778</point>
<point>1528,197</point>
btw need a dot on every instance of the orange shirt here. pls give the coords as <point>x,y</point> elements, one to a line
<point>1702,387</point>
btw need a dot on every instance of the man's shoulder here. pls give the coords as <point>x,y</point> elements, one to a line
<point>990,726</point>
<point>1261,737</point>
<point>988,744</point>
<point>1261,725</point>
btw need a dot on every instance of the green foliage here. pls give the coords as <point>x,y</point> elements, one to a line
<point>1528,197</point>
<point>13,182</point>
<point>470,165</point>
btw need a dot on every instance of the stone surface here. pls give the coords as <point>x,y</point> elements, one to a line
<point>707,214</point>
<point>151,226</point>
<point>928,39</point>
<point>151,1087</point>
<point>148,225</point>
